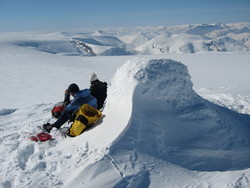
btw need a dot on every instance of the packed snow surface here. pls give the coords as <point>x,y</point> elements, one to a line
<point>170,120</point>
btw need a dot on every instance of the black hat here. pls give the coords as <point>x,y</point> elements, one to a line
<point>73,88</point>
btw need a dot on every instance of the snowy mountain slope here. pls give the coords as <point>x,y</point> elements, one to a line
<point>234,102</point>
<point>176,43</point>
<point>140,40</point>
<point>200,38</point>
<point>202,29</point>
<point>54,47</point>
<point>103,45</point>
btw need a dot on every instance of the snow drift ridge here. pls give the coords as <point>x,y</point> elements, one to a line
<point>171,122</point>
<point>154,121</point>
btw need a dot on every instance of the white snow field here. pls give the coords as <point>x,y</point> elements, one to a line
<point>171,120</point>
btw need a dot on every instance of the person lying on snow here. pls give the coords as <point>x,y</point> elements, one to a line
<point>98,90</point>
<point>80,97</point>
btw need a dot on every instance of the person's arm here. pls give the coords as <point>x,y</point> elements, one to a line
<point>73,105</point>
<point>66,98</point>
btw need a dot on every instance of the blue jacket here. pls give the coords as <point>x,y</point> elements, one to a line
<point>80,98</point>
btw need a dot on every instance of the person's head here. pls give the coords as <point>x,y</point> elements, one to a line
<point>73,89</point>
<point>93,77</point>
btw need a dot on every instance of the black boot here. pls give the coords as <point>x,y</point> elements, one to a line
<point>47,127</point>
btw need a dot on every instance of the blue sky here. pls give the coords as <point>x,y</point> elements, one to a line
<point>32,15</point>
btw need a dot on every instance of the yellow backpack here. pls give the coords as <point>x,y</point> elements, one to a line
<point>85,117</point>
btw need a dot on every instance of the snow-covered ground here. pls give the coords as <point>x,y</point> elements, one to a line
<point>170,120</point>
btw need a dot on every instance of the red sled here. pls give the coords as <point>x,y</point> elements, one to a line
<point>42,137</point>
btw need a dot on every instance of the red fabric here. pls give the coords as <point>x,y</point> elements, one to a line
<point>58,109</point>
<point>44,136</point>
<point>34,138</point>
<point>41,137</point>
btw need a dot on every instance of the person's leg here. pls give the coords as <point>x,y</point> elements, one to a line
<point>62,119</point>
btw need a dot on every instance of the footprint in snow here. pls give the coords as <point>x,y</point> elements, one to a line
<point>24,155</point>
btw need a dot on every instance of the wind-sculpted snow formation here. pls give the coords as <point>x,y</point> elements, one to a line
<point>162,122</point>
<point>171,122</point>
<point>142,40</point>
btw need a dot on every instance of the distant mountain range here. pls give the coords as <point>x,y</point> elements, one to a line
<point>143,40</point>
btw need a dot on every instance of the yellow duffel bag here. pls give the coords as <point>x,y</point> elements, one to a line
<point>85,117</point>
